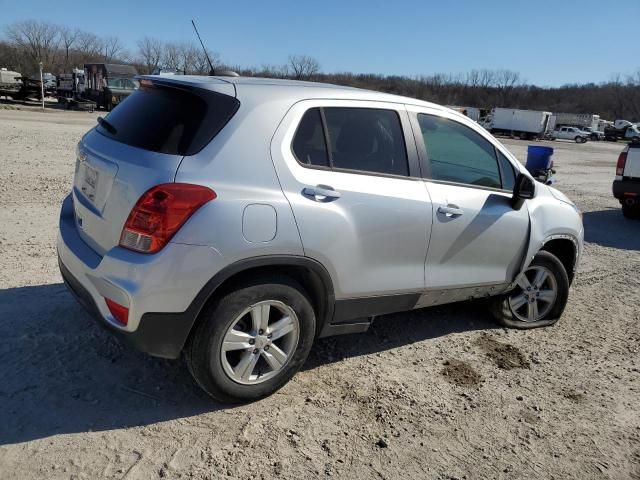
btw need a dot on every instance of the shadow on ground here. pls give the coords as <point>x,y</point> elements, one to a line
<point>62,373</point>
<point>609,228</point>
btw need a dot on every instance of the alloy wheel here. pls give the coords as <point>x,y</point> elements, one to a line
<point>535,294</point>
<point>260,342</point>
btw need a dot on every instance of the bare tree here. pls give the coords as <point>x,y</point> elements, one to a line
<point>39,40</point>
<point>68,39</point>
<point>111,48</point>
<point>172,56</point>
<point>505,81</point>
<point>151,51</point>
<point>88,44</point>
<point>303,66</point>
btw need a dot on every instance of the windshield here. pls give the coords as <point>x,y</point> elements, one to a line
<point>122,83</point>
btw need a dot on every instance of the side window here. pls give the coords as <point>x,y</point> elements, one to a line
<point>366,139</point>
<point>309,144</point>
<point>458,154</point>
<point>508,173</point>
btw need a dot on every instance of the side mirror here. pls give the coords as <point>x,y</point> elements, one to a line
<point>525,189</point>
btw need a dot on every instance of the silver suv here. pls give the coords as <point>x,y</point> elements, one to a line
<point>235,220</point>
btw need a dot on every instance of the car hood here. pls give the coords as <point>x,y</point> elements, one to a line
<point>557,194</point>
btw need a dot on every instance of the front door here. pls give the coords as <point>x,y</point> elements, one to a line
<point>350,172</point>
<point>478,240</point>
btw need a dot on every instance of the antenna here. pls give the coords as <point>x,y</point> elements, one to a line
<point>212,71</point>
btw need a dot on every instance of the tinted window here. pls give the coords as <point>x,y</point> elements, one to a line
<point>309,144</point>
<point>170,120</point>
<point>508,173</point>
<point>458,154</point>
<point>366,139</point>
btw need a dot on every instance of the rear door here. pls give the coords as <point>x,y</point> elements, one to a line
<point>478,240</point>
<point>141,145</point>
<point>350,172</point>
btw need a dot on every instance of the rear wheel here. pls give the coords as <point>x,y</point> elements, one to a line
<point>539,298</point>
<point>252,341</point>
<point>631,212</point>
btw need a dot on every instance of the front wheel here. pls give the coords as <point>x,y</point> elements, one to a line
<point>539,297</point>
<point>252,341</point>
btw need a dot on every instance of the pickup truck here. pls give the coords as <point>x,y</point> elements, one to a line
<point>570,133</point>
<point>626,186</point>
<point>594,135</point>
<point>622,130</point>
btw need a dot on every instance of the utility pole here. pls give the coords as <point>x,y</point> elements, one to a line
<point>41,86</point>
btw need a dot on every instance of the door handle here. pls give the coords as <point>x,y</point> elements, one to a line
<point>451,211</point>
<point>321,191</point>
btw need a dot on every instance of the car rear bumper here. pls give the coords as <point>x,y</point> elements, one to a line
<point>160,290</point>
<point>626,188</point>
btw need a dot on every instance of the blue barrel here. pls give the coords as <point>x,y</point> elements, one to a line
<point>538,158</point>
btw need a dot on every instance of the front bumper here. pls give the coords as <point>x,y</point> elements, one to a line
<point>161,290</point>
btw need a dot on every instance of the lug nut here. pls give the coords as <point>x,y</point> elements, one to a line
<point>252,342</point>
<point>260,332</point>
<point>270,335</point>
<point>266,347</point>
<point>255,352</point>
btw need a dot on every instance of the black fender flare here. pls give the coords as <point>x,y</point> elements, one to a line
<point>165,334</point>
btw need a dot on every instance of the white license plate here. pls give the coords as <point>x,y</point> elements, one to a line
<point>90,182</point>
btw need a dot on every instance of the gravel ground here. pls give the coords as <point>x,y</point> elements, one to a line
<point>435,393</point>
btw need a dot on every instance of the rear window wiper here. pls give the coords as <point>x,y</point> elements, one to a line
<point>107,126</point>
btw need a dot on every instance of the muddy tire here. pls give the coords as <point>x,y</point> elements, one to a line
<point>539,298</point>
<point>632,212</point>
<point>253,340</point>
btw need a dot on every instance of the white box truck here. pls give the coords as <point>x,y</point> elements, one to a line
<point>472,112</point>
<point>526,124</point>
<point>577,120</point>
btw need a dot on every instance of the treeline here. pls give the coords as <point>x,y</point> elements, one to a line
<point>60,48</point>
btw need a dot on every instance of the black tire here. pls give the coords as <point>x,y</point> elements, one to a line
<point>204,348</point>
<point>501,309</point>
<point>632,212</point>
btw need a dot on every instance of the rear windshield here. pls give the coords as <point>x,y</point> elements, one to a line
<point>170,120</point>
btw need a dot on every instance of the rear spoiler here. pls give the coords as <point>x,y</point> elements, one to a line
<point>189,83</point>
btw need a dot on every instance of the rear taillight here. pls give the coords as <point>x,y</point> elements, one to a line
<point>622,160</point>
<point>160,213</point>
<point>119,312</point>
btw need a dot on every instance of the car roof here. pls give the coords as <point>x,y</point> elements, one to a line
<point>295,89</point>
